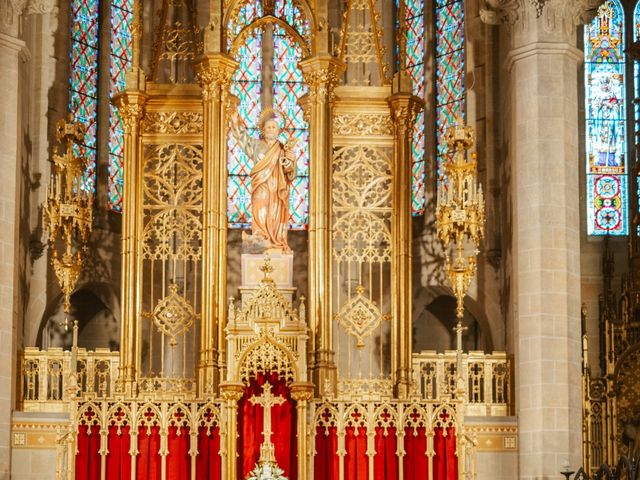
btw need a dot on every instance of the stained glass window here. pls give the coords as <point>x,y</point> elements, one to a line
<point>83,92</point>
<point>83,83</point>
<point>415,65</point>
<point>288,87</point>
<point>450,68</point>
<point>605,125</point>
<point>283,94</point>
<point>290,13</point>
<point>121,17</point>
<point>247,86</point>
<point>636,68</point>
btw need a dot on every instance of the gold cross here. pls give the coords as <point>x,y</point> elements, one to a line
<point>266,401</point>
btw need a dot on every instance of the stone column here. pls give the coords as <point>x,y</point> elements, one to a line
<point>321,73</point>
<point>214,73</point>
<point>11,48</point>
<point>40,26</point>
<point>542,67</point>
<point>404,109</point>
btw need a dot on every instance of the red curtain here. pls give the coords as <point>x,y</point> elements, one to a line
<point>326,464</point>
<point>356,462</point>
<point>283,422</point>
<point>148,464</point>
<point>88,456</point>
<point>208,461</point>
<point>385,461</point>
<point>445,461</point>
<point>118,458</point>
<point>416,461</point>
<point>178,460</point>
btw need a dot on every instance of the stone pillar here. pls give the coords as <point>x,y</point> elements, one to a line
<point>321,73</point>
<point>214,74</point>
<point>40,24</point>
<point>11,48</point>
<point>404,109</point>
<point>542,65</point>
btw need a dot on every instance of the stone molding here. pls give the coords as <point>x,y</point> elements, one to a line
<point>12,10</point>
<point>40,7</point>
<point>11,43</point>
<point>543,48</point>
<point>554,15</point>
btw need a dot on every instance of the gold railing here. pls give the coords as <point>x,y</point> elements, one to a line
<point>488,380</point>
<point>44,377</point>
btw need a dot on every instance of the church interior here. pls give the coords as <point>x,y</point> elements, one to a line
<point>319,239</point>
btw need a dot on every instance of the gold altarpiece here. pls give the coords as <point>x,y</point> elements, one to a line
<point>188,349</point>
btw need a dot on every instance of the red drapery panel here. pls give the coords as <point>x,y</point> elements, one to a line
<point>356,462</point>
<point>326,464</point>
<point>118,458</point>
<point>88,456</point>
<point>208,461</point>
<point>416,461</point>
<point>385,461</point>
<point>283,421</point>
<point>445,461</point>
<point>178,460</point>
<point>148,465</point>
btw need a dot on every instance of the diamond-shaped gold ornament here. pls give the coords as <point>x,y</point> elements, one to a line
<point>173,315</point>
<point>360,317</point>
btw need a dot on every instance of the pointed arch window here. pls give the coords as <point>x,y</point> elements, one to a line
<point>87,26</point>
<point>268,76</point>
<point>606,122</point>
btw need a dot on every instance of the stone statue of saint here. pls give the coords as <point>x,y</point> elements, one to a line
<point>274,169</point>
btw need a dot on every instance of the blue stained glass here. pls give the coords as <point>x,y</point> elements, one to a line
<point>605,122</point>
<point>121,51</point>
<point>450,71</point>
<point>247,86</point>
<point>83,80</point>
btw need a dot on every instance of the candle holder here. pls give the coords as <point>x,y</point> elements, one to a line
<point>67,211</point>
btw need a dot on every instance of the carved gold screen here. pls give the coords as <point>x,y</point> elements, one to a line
<point>171,249</point>
<point>362,211</point>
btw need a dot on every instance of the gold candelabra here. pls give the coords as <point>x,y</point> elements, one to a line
<point>67,211</point>
<point>460,219</point>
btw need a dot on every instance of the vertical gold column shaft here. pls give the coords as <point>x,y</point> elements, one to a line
<point>231,393</point>
<point>321,73</point>
<point>404,108</point>
<point>302,392</point>
<point>214,74</point>
<point>131,107</point>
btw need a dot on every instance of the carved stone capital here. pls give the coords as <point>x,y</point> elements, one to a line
<point>40,7</point>
<point>214,73</point>
<point>131,108</point>
<point>322,74</point>
<point>302,391</point>
<point>553,16</point>
<point>405,108</point>
<point>10,11</point>
<point>231,391</point>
